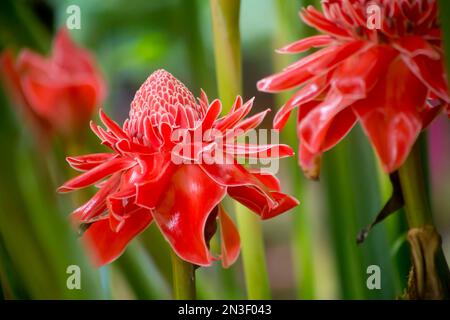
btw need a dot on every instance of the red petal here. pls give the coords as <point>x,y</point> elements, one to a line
<point>260,203</point>
<point>309,92</point>
<point>268,179</point>
<point>431,73</point>
<point>97,204</point>
<point>313,65</point>
<point>315,19</point>
<point>229,238</point>
<point>183,211</point>
<point>358,74</point>
<point>309,161</point>
<point>89,161</point>
<point>230,173</point>
<point>150,191</point>
<point>105,245</point>
<point>248,124</point>
<point>313,128</point>
<point>306,44</point>
<point>414,46</point>
<point>211,115</point>
<point>112,126</point>
<point>390,114</point>
<point>237,113</point>
<point>65,107</point>
<point>259,151</point>
<point>90,177</point>
<point>31,63</point>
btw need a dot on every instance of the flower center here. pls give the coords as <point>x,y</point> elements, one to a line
<point>163,99</point>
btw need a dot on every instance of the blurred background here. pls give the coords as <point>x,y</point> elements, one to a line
<point>311,251</point>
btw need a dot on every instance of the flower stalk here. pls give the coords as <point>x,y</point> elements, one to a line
<point>183,274</point>
<point>429,278</point>
<point>225,20</point>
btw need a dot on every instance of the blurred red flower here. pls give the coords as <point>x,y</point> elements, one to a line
<point>390,78</point>
<point>147,181</point>
<point>59,93</point>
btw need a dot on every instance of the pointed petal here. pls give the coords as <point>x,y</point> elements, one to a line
<point>90,177</point>
<point>315,19</point>
<point>260,203</point>
<point>112,126</point>
<point>259,151</point>
<point>306,44</point>
<point>310,162</point>
<point>307,93</point>
<point>316,64</point>
<point>97,204</point>
<point>229,238</point>
<point>105,245</point>
<point>89,161</point>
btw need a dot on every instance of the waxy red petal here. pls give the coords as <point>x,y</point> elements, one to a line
<point>89,161</point>
<point>260,203</point>
<point>183,211</point>
<point>259,151</point>
<point>431,73</point>
<point>307,93</point>
<point>102,171</point>
<point>415,46</point>
<point>97,204</point>
<point>105,245</point>
<point>316,64</point>
<point>390,114</point>
<point>229,238</point>
<point>306,44</point>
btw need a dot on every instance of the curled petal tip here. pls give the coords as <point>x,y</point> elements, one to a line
<point>263,84</point>
<point>63,189</point>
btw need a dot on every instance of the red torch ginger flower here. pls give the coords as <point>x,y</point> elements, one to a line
<point>390,79</point>
<point>60,92</point>
<point>143,179</point>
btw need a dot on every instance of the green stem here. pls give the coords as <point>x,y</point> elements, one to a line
<point>183,274</point>
<point>225,20</point>
<point>418,212</point>
<point>227,49</point>
<point>252,248</point>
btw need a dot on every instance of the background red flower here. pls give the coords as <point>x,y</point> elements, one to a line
<point>390,79</point>
<point>59,92</point>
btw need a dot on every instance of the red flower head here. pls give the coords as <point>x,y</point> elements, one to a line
<point>149,177</point>
<point>59,92</point>
<point>388,76</point>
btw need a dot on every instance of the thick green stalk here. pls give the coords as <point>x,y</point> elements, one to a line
<point>183,274</point>
<point>225,20</point>
<point>430,277</point>
<point>417,206</point>
<point>227,49</point>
